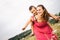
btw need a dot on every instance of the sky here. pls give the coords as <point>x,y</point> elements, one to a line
<point>15,13</point>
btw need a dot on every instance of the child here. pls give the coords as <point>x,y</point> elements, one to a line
<point>34,12</point>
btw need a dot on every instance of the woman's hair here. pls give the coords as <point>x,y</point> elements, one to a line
<point>45,14</point>
<point>31,7</point>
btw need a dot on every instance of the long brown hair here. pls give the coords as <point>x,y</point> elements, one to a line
<point>45,14</point>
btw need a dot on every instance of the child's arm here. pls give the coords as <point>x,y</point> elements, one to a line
<point>32,27</point>
<point>27,23</point>
<point>32,34</point>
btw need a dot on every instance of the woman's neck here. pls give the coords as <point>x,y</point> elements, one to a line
<point>39,18</point>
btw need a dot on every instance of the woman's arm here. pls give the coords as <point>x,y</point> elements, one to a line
<point>49,23</point>
<point>54,17</point>
<point>27,23</point>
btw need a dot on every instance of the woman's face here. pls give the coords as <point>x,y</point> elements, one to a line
<point>34,11</point>
<point>40,10</point>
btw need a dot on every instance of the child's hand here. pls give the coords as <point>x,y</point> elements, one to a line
<point>23,28</point>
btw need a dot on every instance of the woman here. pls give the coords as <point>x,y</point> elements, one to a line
<point>41,28</point>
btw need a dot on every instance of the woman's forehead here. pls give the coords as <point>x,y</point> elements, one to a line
<point>39,7</point>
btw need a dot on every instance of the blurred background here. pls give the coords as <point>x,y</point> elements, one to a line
<point>15,13</point>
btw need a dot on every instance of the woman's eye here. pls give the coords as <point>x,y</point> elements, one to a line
<point>38,10</point>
